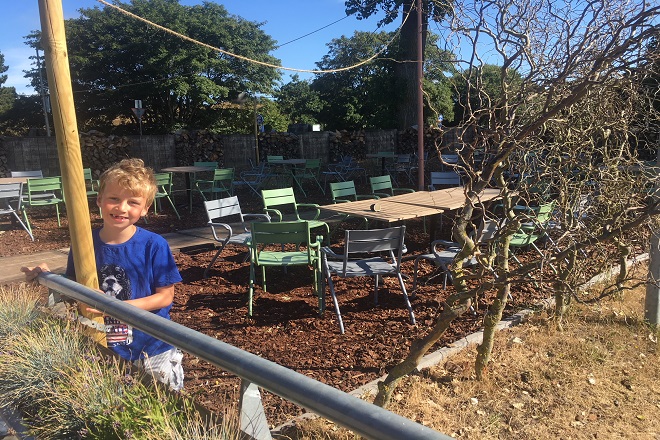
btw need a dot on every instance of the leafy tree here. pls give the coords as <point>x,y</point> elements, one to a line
<point>560,131</point>
<point>115,59</point>
<point>299,102</point>
<point>25,113</point>
<point>405,69</point>
<point>367,96</point>
<point>7,94</point>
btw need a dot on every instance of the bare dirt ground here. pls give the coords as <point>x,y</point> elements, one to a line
<point>286,327</point>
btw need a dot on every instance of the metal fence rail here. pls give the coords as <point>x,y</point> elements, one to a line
<point>361,417</point>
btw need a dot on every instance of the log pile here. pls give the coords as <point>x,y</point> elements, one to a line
<point>281,144</point>
<point>198,146</point>
<point>408,140</point>
<point>344,142</point>
<point>99,151</point>
<point>4,162</point>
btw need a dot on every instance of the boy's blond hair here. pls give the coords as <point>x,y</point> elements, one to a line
<point>132,175</point>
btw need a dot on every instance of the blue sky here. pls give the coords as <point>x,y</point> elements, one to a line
<point>285,20</point>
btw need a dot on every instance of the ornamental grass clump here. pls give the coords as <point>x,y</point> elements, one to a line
<point>66,387</point>
<point>19,307</point>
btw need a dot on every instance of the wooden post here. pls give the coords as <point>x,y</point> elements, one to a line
<point>53,41</point>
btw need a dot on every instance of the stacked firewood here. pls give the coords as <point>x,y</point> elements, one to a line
<point>281,144</point>
<point>198,146</point>
<point>344,142</point>
<point>408,139</point>
<point>99,150</point>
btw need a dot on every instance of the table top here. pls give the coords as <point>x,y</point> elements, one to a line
<point>382,154</point>
<point>287,161</point>
<point>186,169</point>
<point>410,205</point>
<point>13,179</point>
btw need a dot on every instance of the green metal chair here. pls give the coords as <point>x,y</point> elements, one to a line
<point>311,170</point>
<point>277,200</point>
<point>46,191</point>
<point>297,249</point>
<point>164,191</point>
<point>222,183</point>
<point>381,186</point>
<point>344,192</point>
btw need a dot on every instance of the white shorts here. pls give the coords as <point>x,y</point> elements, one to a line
<point>165,367</point>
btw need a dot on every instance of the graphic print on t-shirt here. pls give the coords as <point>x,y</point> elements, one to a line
<point>115,283</point>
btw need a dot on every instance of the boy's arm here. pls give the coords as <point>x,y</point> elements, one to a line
<point>32,272</point>
<point>163,297</point>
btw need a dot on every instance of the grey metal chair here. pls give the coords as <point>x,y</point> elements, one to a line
<point>227,209</point>
<point>444,179</point>
<point>372,242</point>
<point>11,193</point>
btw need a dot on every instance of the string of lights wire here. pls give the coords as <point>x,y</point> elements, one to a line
<point>250,60</point>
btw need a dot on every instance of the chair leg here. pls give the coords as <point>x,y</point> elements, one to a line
<point>251,289</point>
<point>328,277</point>
<point>174,207</point>
<point>27,221</point>
<point>406,300</point>
<point>23,225</point>
<point>57,210</point>
<point>215,257</point>
<point>376,278</point>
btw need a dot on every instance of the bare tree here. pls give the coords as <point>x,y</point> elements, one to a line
<point>564,124</point>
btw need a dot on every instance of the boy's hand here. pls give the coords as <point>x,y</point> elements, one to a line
<point>31,273</point>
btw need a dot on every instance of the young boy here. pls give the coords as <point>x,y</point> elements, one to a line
<point>133,265</point>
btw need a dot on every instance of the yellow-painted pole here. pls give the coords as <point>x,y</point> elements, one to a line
<point>53,41</point>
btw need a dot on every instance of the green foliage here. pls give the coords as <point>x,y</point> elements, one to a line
<point>26,112</point>
<point>116,59</point>
<point>299,102</point>
<point>3,69</point>
<point>370,96</point>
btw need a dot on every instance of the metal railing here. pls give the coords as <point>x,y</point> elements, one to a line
<point>361,417</point>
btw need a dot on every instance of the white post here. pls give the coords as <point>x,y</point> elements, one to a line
<point>652,302</point>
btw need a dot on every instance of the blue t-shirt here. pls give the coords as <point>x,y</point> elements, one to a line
<point>132,270</point>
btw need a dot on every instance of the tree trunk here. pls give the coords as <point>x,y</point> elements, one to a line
<point>418,349</point>
<point>494,315</point>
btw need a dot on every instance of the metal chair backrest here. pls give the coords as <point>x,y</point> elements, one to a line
<point>221,174</point>
<point>10,193</point>
<point>281,233</point>
<point>271,158</point>
<point>164,182</point>
<point>444,178</point>
<point>380,183</point>
<point>36,173</point>
<point>37,186</point>
<point>220,208</point>
<point>374,241</point>
<point>206,164</point>
<point>343,190</point>
<point>279,197</point>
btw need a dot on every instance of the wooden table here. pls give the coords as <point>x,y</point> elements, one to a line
<point>188,171</point>
<point>13,179</point>
<point>411,205</point>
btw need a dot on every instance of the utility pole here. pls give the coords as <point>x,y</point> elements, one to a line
<point>53,41</point>
<point>43,95</point>
<point>420,98</point>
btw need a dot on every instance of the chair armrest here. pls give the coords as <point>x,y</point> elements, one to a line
<point>379,195</point>
<point>330,253</point>
<point>367,197</point>
<point>311,205</point>
<point>276,213</point>
<point>221,225</point>
<point>403,190</point>
<point>335,201</point>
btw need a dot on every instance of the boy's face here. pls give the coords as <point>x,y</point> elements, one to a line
<point>120,208</point>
